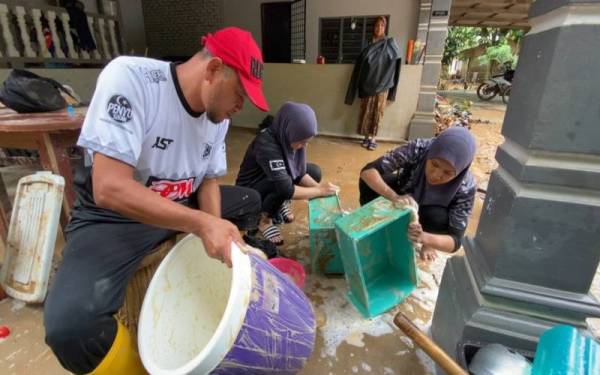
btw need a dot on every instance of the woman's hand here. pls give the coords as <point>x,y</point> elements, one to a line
<point>428,254</point>
<point>327,189</point>
<point>415,232</point>
<point>400,201</point>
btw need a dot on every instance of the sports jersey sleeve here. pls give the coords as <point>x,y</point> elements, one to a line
<point>218,161</point>
<point>114,123</point>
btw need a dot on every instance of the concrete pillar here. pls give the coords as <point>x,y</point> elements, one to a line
<point>535,253</point>
<point>434,14</point>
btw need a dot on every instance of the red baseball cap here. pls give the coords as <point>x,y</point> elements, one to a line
<point>239,51</point>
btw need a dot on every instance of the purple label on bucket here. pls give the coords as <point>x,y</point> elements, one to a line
<point>278,333</point>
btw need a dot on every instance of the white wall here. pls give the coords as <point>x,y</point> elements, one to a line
<point>403,18</point>
<point>323,87</point>
<point>246,15</point>
<point>83,81</point>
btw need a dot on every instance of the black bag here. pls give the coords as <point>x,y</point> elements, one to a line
<point>26,92</point>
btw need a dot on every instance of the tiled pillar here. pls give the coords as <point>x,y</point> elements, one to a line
<point>535,253</point>
<point>433,28</point>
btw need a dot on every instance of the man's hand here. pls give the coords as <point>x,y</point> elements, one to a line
<point>217,235</point>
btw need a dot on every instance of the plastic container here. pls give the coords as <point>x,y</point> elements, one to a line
<point>32,236</point>
<point>379,260</point>
<point>563,350</point>
<point>291,268</point>
<point>201,317</point>
<point>324,251</point>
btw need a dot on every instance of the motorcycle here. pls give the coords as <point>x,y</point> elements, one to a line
<point>499,84</point>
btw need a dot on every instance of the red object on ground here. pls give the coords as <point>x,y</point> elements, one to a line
<point>291,268</point>
<point>4,332</point>
<point>320,60</point>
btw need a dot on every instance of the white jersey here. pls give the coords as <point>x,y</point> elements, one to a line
<point>138,115</point>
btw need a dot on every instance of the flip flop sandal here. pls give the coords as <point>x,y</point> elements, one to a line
<point>365,142</point>
<point>286,212</point>
<point>372,146</point>
<point>271,233</point>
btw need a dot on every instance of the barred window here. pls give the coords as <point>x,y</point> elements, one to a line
<point>298,42</point>
<point>341,39</point>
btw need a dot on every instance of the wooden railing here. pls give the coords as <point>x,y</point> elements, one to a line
<point>19,47</point>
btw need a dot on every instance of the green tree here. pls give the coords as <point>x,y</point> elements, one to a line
<point>498,54</point>
<point>461,38</point>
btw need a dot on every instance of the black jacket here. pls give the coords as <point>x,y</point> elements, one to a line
<point>377,69</point>
<point>264,159</point>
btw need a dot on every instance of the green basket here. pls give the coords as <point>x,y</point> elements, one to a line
<point>324,251</point>
<point>378,258</point>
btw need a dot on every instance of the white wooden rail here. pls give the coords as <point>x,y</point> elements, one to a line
<point>23,40</point>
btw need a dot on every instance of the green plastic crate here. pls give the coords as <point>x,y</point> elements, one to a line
<point>378,258</point>
<point>324,251</point>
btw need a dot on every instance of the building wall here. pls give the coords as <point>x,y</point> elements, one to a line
<point>133,30</point>
<point>245,14</point>
<point>91,6</point>
<point>174,27</point>
<point>83,81</point>
<point>403,18</point>
<point>323,87</point>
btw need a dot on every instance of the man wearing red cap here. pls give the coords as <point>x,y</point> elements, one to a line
<point>154,135</point>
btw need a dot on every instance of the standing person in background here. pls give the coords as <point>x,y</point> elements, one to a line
<point>375,77</point>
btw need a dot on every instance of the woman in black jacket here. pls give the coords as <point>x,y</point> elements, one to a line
<point>275,166</point>
<point>435,172</point>
<point>375,77</point>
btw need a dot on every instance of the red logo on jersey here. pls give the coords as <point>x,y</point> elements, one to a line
<point>172,189</point>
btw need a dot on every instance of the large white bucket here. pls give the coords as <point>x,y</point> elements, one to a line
<point>199,316</point>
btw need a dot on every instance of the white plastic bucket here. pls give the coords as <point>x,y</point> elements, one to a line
<point>199,316</point>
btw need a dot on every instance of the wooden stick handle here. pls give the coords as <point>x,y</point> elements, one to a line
<point>431,348</point>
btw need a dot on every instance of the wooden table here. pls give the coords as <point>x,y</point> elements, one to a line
<point>52,134</point>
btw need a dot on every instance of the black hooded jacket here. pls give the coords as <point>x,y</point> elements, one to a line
<point>377,69</point>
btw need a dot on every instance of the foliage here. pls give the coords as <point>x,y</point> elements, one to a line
<point>461,38</point>
<point>498,54</point>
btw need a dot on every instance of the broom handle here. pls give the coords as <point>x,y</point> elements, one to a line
<point>431,348</point>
